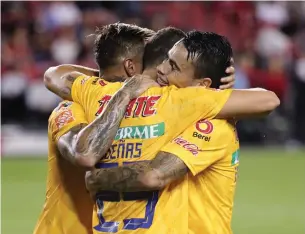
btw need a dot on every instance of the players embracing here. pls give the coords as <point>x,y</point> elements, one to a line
<point>169,166</point>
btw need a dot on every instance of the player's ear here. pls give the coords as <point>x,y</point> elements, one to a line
<point>205,82</point>
<point>130,68</point>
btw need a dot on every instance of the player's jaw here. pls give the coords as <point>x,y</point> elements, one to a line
<point>162,79</point>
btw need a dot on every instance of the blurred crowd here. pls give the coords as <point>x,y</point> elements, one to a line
<point>268,39</point>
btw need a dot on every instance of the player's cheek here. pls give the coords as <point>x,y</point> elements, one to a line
<point>167,69</point>
<point>161,68</point>
<point>170,80</point>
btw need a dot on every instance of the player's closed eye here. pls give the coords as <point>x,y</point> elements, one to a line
<point>173,67</point>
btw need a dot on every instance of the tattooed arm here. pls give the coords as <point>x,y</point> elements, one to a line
<point>65,143</point>
<point>142,176</point>
<point>59,79</point>
<point>87,145</point>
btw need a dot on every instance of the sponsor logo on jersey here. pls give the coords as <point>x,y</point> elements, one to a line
<point>201,137</point>
<point>141,132</point>
<point>64,118</point>
<point>187,145</point>
<point>235,158</point>
<point>141,106</point>
<point>204,127</point>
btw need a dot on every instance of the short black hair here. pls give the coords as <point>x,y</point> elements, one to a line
<point>117,41</point>
<point>158,46</point>
<point>211,54</point>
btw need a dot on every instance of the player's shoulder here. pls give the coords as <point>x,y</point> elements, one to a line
<point>65,104</point>
<point>162,92</point>
<point>95,88</point>
<point>210,133</point>
<point>221,129</point>
<point>92,80</point>
<point>222,125</point>
<point>64,107</point>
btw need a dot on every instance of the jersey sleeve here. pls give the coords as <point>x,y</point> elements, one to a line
<point>199,103</point>
<point>64,117</point>
<point>199,146</point>
<point>84,87</point>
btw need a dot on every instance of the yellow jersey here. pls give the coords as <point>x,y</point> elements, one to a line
<point>68,206</point>
<point>213,172</point>
<point>150,121</point>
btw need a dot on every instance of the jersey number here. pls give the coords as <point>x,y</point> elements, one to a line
<point>129,224</point>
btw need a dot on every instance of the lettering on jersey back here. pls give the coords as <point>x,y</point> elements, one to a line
<point>124,150</point>
<point>141,106</point>
<point>128,150</point>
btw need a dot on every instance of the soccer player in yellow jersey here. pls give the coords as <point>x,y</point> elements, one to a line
<point>133,135</point>
<point>206,197</point>
<point>212,173</point>
<point>68,206</point>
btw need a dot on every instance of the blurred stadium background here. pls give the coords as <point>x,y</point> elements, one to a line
<point>269,45</point>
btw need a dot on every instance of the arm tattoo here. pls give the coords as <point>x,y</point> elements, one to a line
<point>141,176</point>
<point>116,179</point>
<point>65,91</point>
<point>59,79</point>
<point>65,143</point>
<point>70,78</point>
<point>95,139</point>
<point>169,166</point>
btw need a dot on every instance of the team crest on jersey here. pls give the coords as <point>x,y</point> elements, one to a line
<point>64,118</point>
<point>194,149</point>
<point>204,128</point>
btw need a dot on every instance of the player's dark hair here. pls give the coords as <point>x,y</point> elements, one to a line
<point>158,46</point>
<point>210,53</point>
<point>114,42</point>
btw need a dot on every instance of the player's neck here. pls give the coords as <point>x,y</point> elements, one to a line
<point>113,75</point>
<point>151,73</point>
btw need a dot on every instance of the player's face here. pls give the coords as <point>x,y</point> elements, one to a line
<point>177,69</point>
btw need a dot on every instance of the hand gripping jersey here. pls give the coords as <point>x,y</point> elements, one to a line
<point>150,121</point>
<point>213,171</point>
<point>68,206</point>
